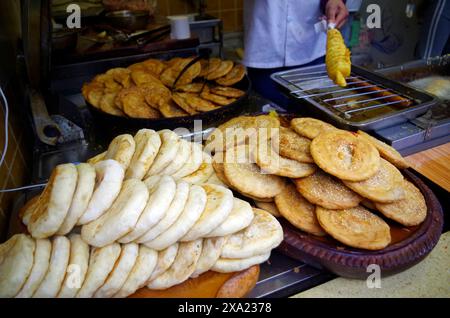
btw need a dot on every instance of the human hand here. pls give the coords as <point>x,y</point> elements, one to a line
<point>336,12</point>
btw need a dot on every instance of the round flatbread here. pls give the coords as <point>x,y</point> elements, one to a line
<point>386,151</point>
<point>148,143</point>
<point>108,182</point>
<point>218,206</point>
<point>293,146</point>
<point>262,235</point>
<point>384,186</point>
<point>355,227</point>
<point>211,250</point>
<point>158,203</point>
<point>39,270</point>
<point>166,258</point>
<point>54,202</point>
<point>193,163</point>
<point>230,265</point>
<point>173,212</point>
<point>345,156</point>
<point>269,207</point>
<point>327,191</point>
<point>77,268</point>
<point>183,154</point>
<point>200,104</point>
<point>203,173</point>
<point>93,160</point>
<point>272,163</point>
<point>170,142</point>
<point>122,150</point>
<point>120,272</point>
<point>298,211</point>
<point>83,193</point>
<point>409,211</point>
<point>214,179</point>
<point>191,213</point>
<point>140,273</point>
<point>16,263</point>
<point>101,263</point>
<point>27,210</point>
<point>54,278</point>
<point>310,127</point>
<point>239,218</point>
<point>247,178</point>
<point>183,266</point>
<point>121,217</point>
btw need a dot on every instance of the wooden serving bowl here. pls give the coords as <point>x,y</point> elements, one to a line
<point>408,247</point>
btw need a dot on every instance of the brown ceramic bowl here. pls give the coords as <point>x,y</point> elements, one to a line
<point>408,247</point>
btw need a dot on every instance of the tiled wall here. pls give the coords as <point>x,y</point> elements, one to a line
<point>14,172</point>
<point>230,11</point>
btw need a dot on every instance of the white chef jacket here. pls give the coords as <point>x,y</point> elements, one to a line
<point>281,33</point>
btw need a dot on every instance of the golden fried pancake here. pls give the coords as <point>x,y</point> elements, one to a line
<point>227,91</point>
<point>271,162</point>
<point>217,99</point>
<point>247,178</point>
<point>236,74</point>
<point>134,105</point>
<point>153,65</point>
<point>298,211</point>
<point>217,164</point>
<point>355,227</point>
<point>294,146</point>
<point>191,88</point>
<point>170,109</point>
<point>120,75</point>
<point>386,151</point>
<point>411,210</point>
<point>200,104</point>
<point>269,207</point>
<point>189,75</point>
<point>156,95</point>
<point>141,77</point>
<point>224,68</point>
<point>310,127</point>
<point>385,186</point>
<point>327,191</point>
<point>209,66</point>
<point>107,104</point>
<point>180,100</point>
<point>345,156</point>
<point>93,93</point>
<point>240,130</point>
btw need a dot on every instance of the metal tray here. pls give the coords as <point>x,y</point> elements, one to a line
<point>422,101</point>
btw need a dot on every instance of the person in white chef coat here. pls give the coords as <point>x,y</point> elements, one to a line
<point>282,34</point>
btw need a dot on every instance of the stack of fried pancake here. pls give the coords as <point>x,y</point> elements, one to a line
<point>323,180</point>
<point>150,89</point>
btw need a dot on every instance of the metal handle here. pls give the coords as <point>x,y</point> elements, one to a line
<point>47,130</point>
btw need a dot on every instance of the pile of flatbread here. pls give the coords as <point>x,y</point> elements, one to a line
<point>67,266</point>
<point>155,88</point>
<point>323,180</point>
<point>156,232</point>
